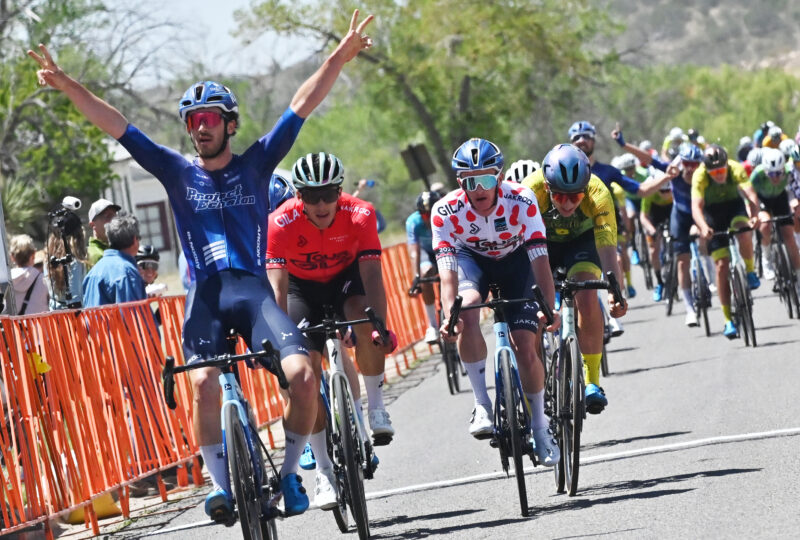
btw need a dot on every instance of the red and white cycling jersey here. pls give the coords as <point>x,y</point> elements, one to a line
<point>515,222</point>
<point>294,243</point>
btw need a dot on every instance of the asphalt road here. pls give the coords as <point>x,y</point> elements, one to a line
<point>700,439</point>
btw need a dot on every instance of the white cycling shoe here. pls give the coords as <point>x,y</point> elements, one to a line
<point>481,425</point>
<point>431,335</point>
<point>325,489</point>
<point>546,447</point>
<point>381,426</point>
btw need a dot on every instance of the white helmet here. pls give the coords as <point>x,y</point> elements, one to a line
<point>772,161</point>
<point>675,134</point>
<point>521,169</point>
<point>786,147</point>
<point>775,132</point>
<point>626,161</point>
<point>646,145</point>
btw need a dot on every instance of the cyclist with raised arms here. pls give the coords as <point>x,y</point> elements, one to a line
<point>491,231</point>
<point>418,239</point>
<point>578,213</point>
<point>770,180</point>
<point>323,250</point>
<point>220,206</point>
<point>716,207</point>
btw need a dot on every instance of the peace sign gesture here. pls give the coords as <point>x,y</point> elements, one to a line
<point>49,74</point>
<point>354,42</point>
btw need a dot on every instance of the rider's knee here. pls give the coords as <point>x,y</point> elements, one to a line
<point>206,387</point>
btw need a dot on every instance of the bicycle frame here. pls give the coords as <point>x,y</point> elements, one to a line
<point>336,372</point>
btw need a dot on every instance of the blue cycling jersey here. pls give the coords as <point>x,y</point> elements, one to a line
<point>609,174</point>
<point>221,215</point>
<point>682,194</point>
<point>419,232</point>
<point>660,165</point>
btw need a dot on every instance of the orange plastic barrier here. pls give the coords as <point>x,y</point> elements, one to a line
<point>84,413</point>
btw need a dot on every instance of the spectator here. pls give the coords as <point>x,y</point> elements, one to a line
<point>100,213</point>
<point>66,291</point>
<point>115,278</point>
<point>38,260</point>
<point>147,261</point>
<point>30,291</point>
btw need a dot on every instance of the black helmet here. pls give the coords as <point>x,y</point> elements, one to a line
<point>426,200</point>
<point>147,253</point>
<point>715,157</point>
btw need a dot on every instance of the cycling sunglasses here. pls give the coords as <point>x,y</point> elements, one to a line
<point>563,198</point>
<point>313,196</point>
<point>720,173</point>
<point>486,181</point>
<point>148,265</point>
<point>210,118</point>
<point>579,136</point>
<point>775,174</point>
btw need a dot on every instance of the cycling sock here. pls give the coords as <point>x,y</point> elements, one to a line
<point>591,365</point>
<point>628,278</point>
<point>319,445</point>
<point>430,309</point>
<point>476,371</point>
<point>373,383</point>
<point>295,444</point>
<point>687,299</point>
<point>749,265</point>
<point>726,312</point>
<point>538,418</point>
<point>217,469</point>
<point>710,270</point>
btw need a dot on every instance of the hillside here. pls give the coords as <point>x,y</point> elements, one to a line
<point>709,32</point>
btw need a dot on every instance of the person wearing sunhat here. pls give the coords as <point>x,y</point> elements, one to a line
<point>100,213</point>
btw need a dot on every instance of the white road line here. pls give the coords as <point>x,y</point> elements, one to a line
<point>724,439</point>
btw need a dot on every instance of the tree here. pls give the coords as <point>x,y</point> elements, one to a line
<point>47,149</point>
<point>450,70</point>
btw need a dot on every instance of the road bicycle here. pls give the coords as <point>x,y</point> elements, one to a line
<point>256,488</point>
<point>349,446</point>
<point>452,361</point>
<point>741,295</point>
<point>512,413</point>
<point>640,244</point>
<point>669,265</point>
<point>564,383</point>
<point>701,293</point>
<point>785,278</point>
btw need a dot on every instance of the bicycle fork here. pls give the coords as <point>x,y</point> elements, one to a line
<point>503,343</point>
<point>232,397</point>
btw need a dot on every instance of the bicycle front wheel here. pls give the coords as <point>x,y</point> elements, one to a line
<point>451,361</point>
<point>242,477</point>
<point>784,280</point>
<point>515,428</point>
<point>351,458</point>
<point>570,387</point>
<point>739,304</point>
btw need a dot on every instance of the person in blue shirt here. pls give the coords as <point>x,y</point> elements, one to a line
<point>115,278</point>
<point>220,205</point>
<point>419,238</point>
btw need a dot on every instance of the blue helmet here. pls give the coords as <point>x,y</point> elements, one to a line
<point>690,152</point>
<point>280,190</point>
<point>581,128</point>
<point>477,154</point>
<point>208,94</point>
<point>566,169</point>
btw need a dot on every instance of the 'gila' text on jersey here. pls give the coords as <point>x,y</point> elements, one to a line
<point>217,200</point>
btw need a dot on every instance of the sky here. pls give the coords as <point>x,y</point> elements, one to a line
<point>211,25</point>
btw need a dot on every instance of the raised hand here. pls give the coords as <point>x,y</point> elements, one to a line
<point>49,74</point>
<point>354,42</point>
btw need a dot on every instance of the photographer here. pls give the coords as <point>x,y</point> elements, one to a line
<point>66,260</point>
<point>115,278</point>
<point>29,288</point>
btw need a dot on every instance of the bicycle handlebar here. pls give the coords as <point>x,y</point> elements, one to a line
<point>268,358</point>
<point>492,304</point>
<point>415,285</point>
<point>730,233</point>
<point>330,326</point>
<point>567,287</point>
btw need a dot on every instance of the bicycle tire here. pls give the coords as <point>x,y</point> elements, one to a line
<point>670,276</point>
<point>750,326</point>
<point>340,514</point>
<point>552,395</point>
<point>572,413</point>
<point>513,418</point>
<point>450,357</point>
<point>354,472</point>
<point>738,304</point>
<point>791,282</point>
<point>702,298</point>
<point>644,256</point>
<point>783,277</point>
<point>248,503</point>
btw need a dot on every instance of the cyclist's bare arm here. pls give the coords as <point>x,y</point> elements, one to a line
<point>609,263</point>
<point>700,219</point>
<point>313,91</point>
<point>414,252</point>
<point>279,279</point>
<point>544,279</point>
<point>647,224</point>
<point>97,111</point>
<point>372,277</point>
<point>751,197</point>
<point>649,186</point>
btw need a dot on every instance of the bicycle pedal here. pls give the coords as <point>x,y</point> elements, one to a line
<point>381,440</point>
<point>494,443</point>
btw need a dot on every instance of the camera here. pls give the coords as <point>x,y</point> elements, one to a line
<point>71,203</point>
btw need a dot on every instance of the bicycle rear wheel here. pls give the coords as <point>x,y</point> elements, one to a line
<point>514,427</point>
<point>354,473</point>
<point>783,278</point>
<point>670,273</point>
<point>246,495</point>
<point>791,282</point>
